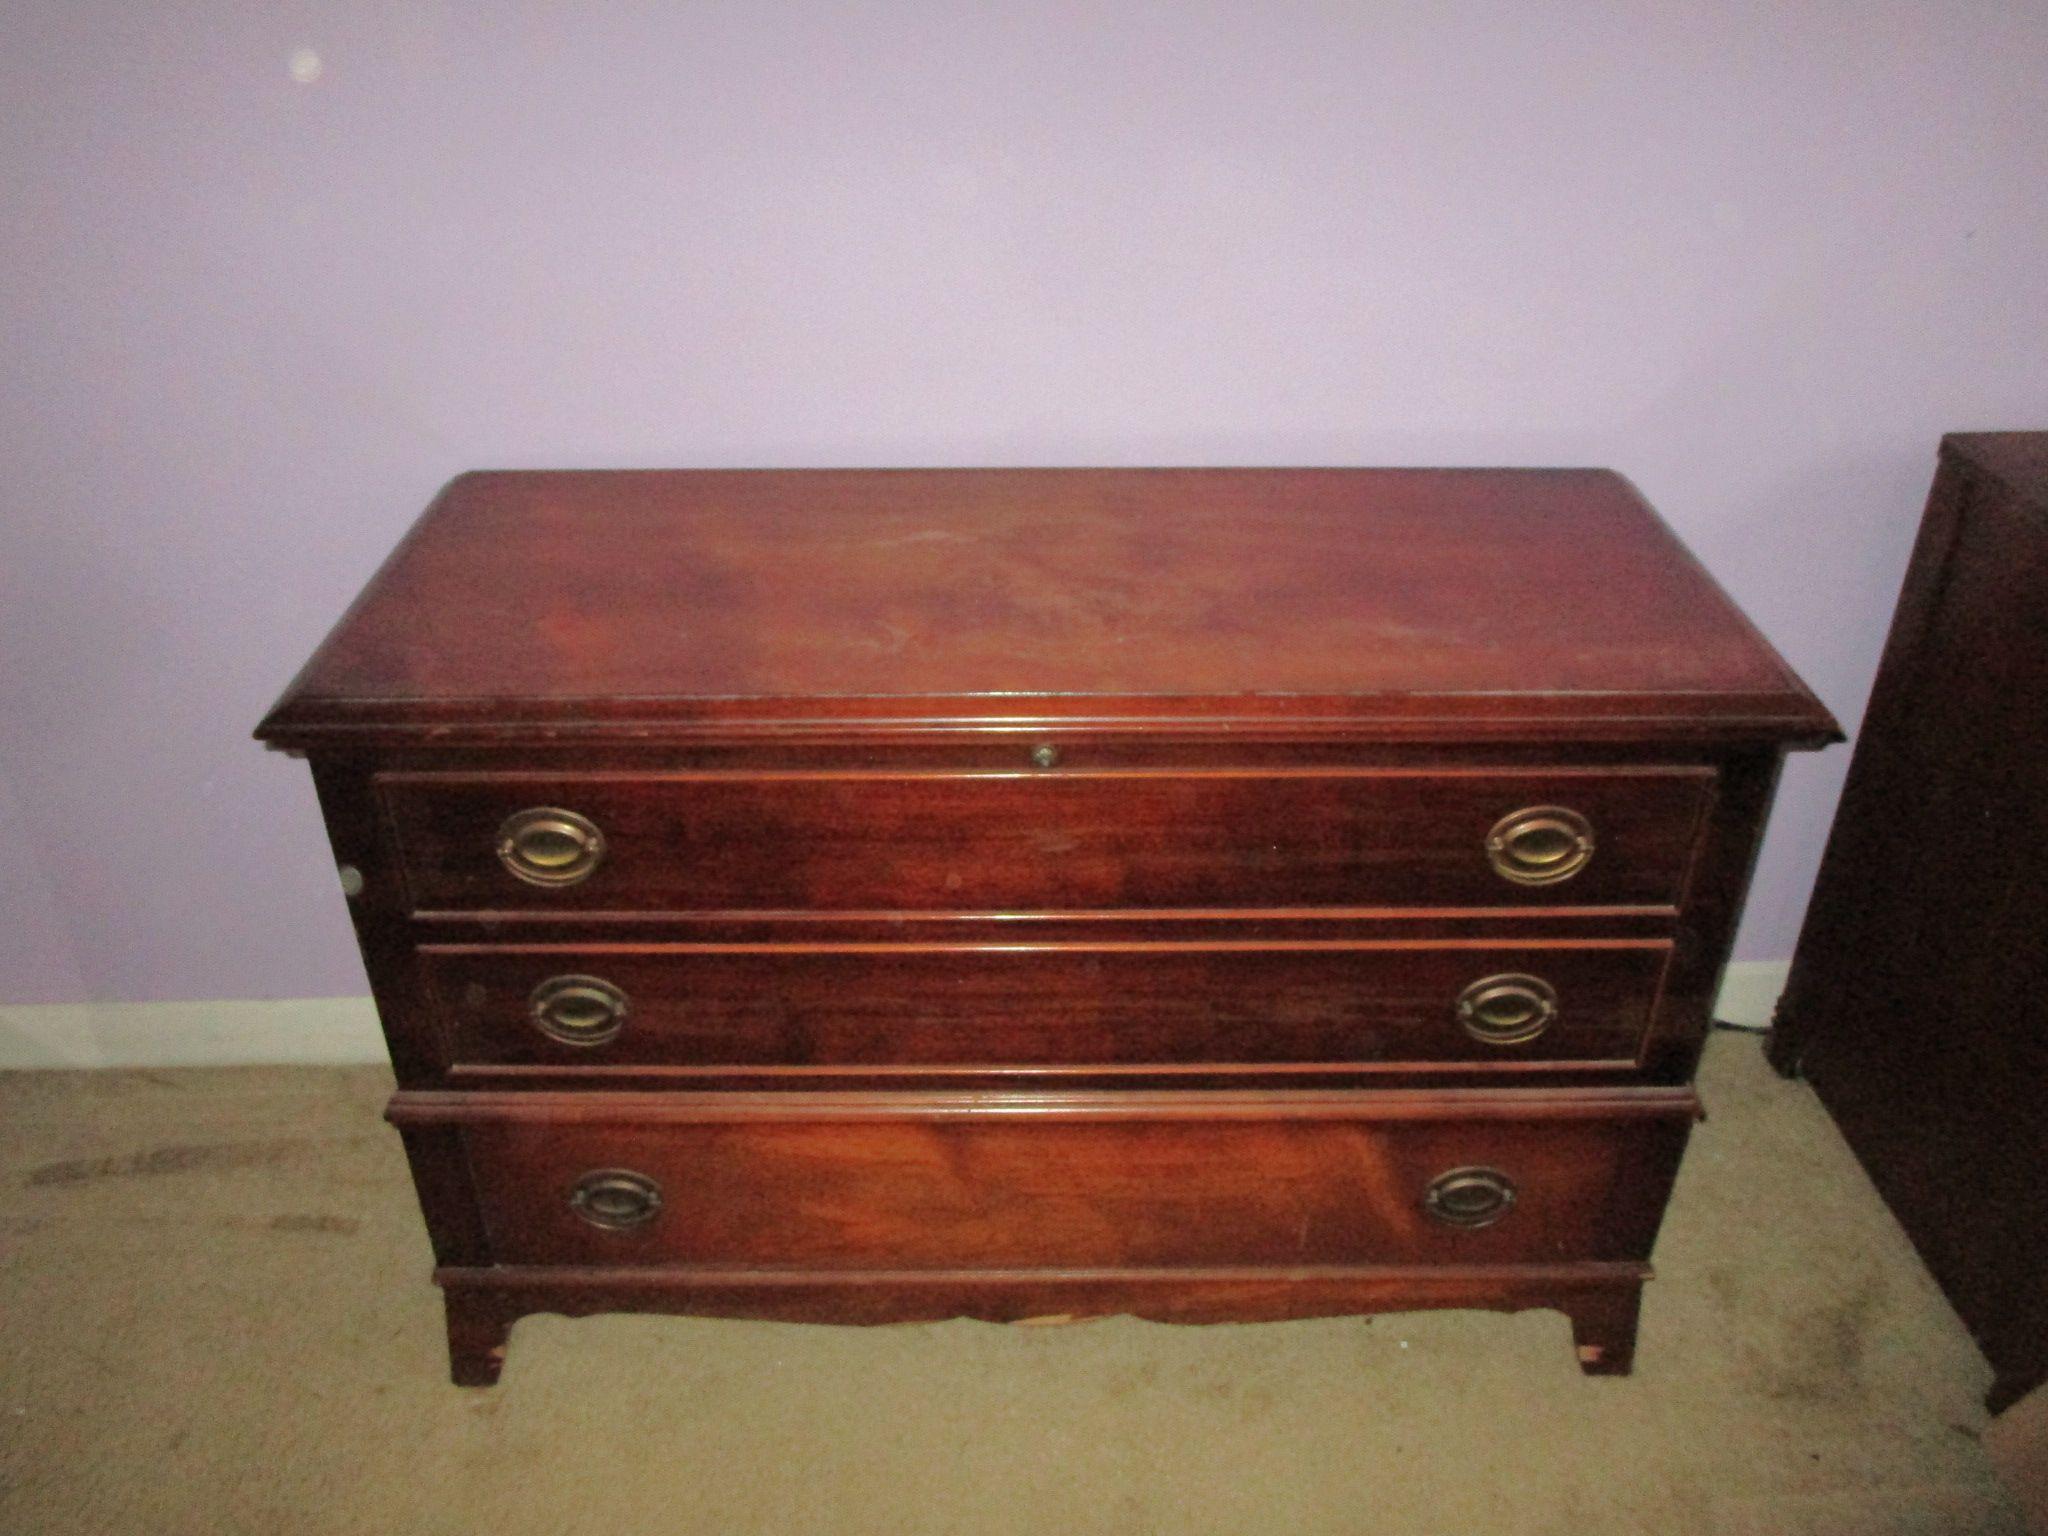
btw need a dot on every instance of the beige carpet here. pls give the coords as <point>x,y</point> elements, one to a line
<point>215,1317</point>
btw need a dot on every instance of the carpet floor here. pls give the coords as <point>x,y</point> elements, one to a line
<point>215,1317</point>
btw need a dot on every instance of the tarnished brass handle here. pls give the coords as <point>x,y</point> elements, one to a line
<point>548,846</point>
<point>616,1199</point>
<point>578,1010</point>
<point>1470,1197</point>
<point>1507,1010</point>
<point>1540,845</point>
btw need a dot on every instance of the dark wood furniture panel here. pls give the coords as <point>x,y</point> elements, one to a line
<point>1918,1001</point>
<point>825,1009</point>
<point>1055,839</point>
<point>1042,892</point>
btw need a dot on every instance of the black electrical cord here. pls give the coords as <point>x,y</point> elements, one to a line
<point>1741,1029</point>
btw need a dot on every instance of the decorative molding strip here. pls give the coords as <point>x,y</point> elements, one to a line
<point>342,1031</point>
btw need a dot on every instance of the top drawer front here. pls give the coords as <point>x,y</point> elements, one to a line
<point>1047,842</point>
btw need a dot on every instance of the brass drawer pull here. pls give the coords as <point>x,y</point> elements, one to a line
<point>579,1010</point>
<point>616,1199</point>
<point>547,846</point>
<point>1540,845</point>
<point>1470,1197</point>
<point>1508,1009</point>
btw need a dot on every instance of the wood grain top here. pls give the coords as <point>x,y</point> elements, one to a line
<point>1381,603</point>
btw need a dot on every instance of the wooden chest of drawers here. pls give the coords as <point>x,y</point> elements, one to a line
<point>1210,894</point>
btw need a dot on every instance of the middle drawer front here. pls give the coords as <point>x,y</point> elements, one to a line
<point>850,1007</point>
<point>1052,842</point>
<point>1352,1180</point>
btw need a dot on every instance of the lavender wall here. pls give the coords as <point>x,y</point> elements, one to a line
<point>1758,257</point>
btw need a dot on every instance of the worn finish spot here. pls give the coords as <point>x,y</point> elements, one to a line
<point>206,1157</point>
<point>1821,1357</point>
<point>342,1225</point>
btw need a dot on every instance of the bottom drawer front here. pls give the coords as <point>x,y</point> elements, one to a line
<point>1052,1188</point>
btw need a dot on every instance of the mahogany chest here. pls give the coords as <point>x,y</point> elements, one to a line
<point>864,896</point>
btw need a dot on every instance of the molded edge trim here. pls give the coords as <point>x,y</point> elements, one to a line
<point>672,1107</point>
<point>516,1276</point>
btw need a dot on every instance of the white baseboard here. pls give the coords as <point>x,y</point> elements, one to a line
<point>1749,991</point>
<point>342,1031</point>
<point>299,1031</point>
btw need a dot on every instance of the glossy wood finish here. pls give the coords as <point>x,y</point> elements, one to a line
<point>1918,1001</point>
<point>826,1010</point>
<point>1043,892</point>
<point>1052,840</point>
<point>417,1022</point>
<point>1132,1181</point>
<point>661,605</point>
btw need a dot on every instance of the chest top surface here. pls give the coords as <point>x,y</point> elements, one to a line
<point>627,603</point>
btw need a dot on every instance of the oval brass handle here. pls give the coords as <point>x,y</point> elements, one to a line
<point>578,1010</point>
<point>549,846</point>
<point>1470,1197</point>
<point>1540,845</point>
<point>1508,1009</point>
<point>616,1199</point>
